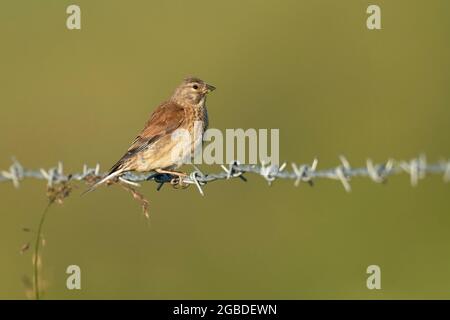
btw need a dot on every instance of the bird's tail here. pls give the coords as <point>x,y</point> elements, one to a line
<point>109,176</point>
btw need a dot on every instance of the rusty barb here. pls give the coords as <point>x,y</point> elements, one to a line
<point>417,169</point>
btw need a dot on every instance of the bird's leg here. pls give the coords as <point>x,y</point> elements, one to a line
<point>173,173</point>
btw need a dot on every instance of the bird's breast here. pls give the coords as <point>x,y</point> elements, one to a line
<point>175,150</point>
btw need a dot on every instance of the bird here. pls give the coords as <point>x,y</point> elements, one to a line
<point>155,149</point>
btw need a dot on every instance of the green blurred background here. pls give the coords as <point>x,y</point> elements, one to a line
<point>310,68</point>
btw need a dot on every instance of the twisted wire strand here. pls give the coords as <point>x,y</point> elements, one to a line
<point>416,168</point>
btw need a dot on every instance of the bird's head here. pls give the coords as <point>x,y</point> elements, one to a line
<point>192,91</point>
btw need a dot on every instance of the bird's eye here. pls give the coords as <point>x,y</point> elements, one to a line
<point>195,86</point>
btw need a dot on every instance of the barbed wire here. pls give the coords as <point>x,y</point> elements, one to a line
<point>416,168</point>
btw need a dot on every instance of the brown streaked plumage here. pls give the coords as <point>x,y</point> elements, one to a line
<point>152,150</point>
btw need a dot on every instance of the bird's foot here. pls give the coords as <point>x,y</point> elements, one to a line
<point>178,183</point>
<point>177,178</point>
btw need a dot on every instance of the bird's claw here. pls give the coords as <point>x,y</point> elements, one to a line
<point>178,183</point>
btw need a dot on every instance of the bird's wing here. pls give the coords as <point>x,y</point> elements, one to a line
<point>168,117</point>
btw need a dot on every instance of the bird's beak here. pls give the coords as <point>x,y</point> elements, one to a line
<point>210,88</point>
